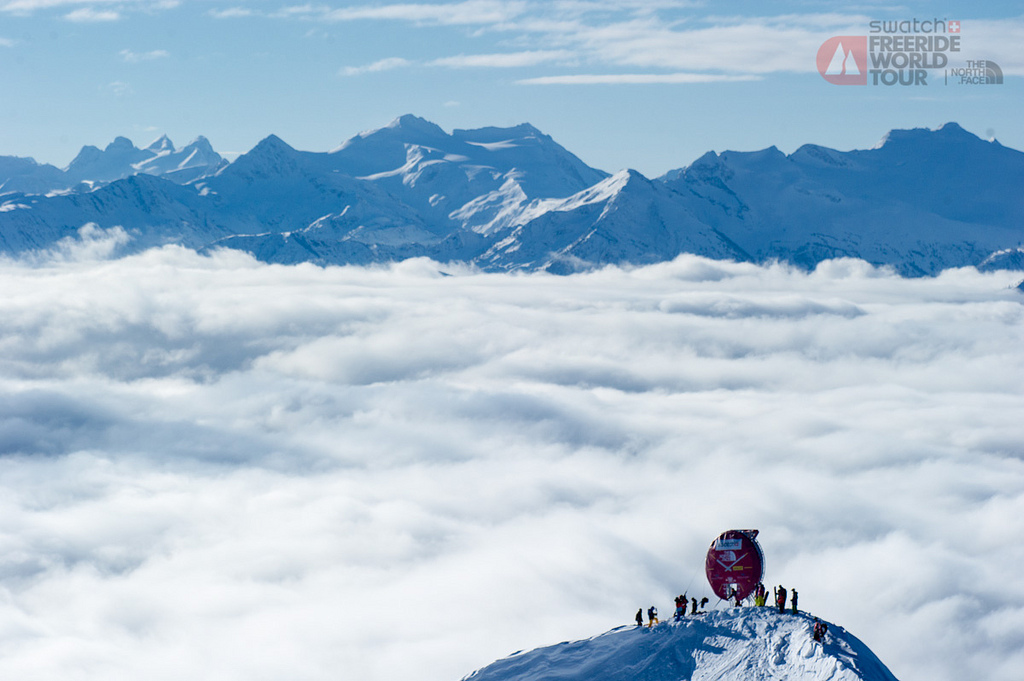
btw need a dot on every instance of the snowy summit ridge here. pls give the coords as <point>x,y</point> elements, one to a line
<point>738,644</point>
<point>514,199</point>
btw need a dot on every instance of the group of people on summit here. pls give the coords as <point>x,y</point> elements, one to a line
<point>681,604</point>
<point>760,600</point>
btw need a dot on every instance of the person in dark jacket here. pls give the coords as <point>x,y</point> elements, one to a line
<point>639,617</point>
<point>792,599</point>
<point>780,598</point>
<point>652,616</point>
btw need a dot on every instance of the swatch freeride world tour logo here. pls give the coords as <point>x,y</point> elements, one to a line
<point>908,52</point>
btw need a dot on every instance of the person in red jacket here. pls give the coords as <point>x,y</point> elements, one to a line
<point>681,602</point>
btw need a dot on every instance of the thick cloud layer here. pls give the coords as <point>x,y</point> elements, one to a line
<point>214,468</point>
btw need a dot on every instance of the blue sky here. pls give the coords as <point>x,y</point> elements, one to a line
<point>649,85</point>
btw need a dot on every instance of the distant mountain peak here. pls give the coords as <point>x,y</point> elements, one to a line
<point>202,144</point>
<point>944,134</point>
<point>769,154</point>
<point>161,144</point>
<point>415,124</point>
<point>120,144</point>
<point>625,178</point>
<point>86,154</point>
<point>272,142</point>
<point>271,157</point>
<point>492,135</point>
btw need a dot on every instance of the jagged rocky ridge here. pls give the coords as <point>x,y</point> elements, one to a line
<point>512,198</point>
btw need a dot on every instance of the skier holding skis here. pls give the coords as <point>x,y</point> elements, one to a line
<point>780,598</point>
<point>652,616</point>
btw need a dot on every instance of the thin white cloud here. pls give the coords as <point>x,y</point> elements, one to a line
<point>120,88</point>
<point>636,79</point>
<point>231,13</point>
<point>387,64</point>
<point>469,12</point>
<point>88,15</point>
<point>133,57</point>
<point>504,60</point>
<point>660,38</point>
<point>998,41</point>
<point>463,61</point>
<point>268,471</point>
<point>88,10</point>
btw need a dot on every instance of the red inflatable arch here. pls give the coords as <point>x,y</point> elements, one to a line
<point>734,564</point>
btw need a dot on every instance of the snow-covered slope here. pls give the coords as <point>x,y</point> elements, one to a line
<point>24,175</point>
<point>152,210</point>
<point>470,179</point>
<point>623,219</point>
<point>922,200</point>
<point>741,644</point>
<point>287,206</point>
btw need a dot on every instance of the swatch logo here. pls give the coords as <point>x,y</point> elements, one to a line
<point>843,60</point>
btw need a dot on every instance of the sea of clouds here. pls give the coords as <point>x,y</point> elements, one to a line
<point>214,468</point>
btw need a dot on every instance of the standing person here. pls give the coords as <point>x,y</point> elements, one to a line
<point>694,610</point>
<point>780,599</point>
<point>680,607</point>
<point>792,599</point>
<point>639,617</point>
<point>760,595</point>
<point>652,616</point>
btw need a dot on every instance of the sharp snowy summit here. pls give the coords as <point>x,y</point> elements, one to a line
<point>513,198</point>
<point>739,644</point>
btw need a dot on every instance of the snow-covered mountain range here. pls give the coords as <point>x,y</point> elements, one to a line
<point>513,198</point>
<point>752,644</point>
<point>121,158</point>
